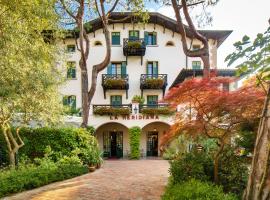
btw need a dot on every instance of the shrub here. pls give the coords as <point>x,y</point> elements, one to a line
<point>156,111</point>
<point>196,190</point>
<point>112,111</point>
<point>45,171</point>
<point>115,83</point>
<point>197,165</point>
<point>154,83</point>
<point>233,172</point>
<point>134,142</point>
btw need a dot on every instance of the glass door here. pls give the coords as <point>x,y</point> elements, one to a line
<point>152,143</point>
<point>113,144</point>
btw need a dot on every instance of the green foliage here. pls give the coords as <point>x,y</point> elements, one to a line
<point>151,83</point>
<point>112,111</point>
<point>61,141</point>
<point>115,83</point>
<point>256,56</point>
<point>177,149</point>
<point>69,110</point>
<point>134,44</point>
<point>233,172</point>
<point>43,172</point>
<point>138,99</point>
<point>198,165</point>
<point>157,111</point>
<point>134,142</point>
<point>196,190</point>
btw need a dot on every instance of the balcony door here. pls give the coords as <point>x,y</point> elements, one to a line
<point>152,100</point>
<point>152,69</point>
<point>134,35</point>
<point>116,100</point>
<point>117,69</point>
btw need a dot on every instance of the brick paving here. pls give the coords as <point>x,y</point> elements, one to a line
<point>115,180</point>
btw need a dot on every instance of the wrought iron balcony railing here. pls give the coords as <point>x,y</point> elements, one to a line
<point>115,110</point>
<point>115,82</point>
<point>134,47</point>
<point>153,81</point>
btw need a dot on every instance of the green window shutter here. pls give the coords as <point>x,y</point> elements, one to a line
<point>124,68</point>
<point>152,99</point>
<point>116,100</point>
<point>109,69</point>
<point>155,68</point>
<point>115,38</point>
<point>146,37</point>
<point>65,100</point>
<point>154,38</point>
<point>73,102</point>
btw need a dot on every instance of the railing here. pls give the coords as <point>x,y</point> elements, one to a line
<point>115,81</point>
<point>153,81</point>
<point>134,47</point>
<point>109,109</point>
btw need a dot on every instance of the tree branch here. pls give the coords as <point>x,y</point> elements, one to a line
<point>67,10</point>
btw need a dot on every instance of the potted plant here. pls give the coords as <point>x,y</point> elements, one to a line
<point>138,99</point>
<point>134,44</point>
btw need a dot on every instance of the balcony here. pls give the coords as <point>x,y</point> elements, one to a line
<point>115,82</point>
<point>156,109</point>
<point>112,110</point>
<point>134,47</point>
<point>153,82</point>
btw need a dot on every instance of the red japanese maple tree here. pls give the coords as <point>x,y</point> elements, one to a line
<point>205,108</point>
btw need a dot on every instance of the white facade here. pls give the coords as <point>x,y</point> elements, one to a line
<point>171,59</point>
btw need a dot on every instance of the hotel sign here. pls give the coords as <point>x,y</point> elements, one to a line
<point>134,117</point>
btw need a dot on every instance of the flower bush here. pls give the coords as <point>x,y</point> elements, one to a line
<point>134,44</point>
<point>115,83</point>
<point>156,111</point>
<point>154,83</point>
<point>112,111</point>
<point>138,99</point>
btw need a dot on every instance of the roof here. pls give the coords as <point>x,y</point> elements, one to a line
<point>162,20</point>
<point>186,73</point>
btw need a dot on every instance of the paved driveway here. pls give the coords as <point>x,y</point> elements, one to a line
<point>117,179</point>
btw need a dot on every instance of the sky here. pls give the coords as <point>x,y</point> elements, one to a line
<point>244,17</point>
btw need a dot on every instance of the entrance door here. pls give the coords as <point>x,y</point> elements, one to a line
<point>152,143</point>
<point>113,144</point>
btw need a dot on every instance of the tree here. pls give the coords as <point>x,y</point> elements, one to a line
<point>255,59</point>
<point>203,52</point>
<point>29,80</point>
<point>78,12</point>
<point>206,109</point>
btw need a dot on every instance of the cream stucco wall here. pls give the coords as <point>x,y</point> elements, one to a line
<point>170,61</point>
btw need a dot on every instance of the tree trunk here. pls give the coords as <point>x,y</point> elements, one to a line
<point>258,187</point>
<point>12,161</point>
<point>85,102</point>
<point>216,162</point>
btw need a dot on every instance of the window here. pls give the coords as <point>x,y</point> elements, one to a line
<point>196,47</point>
<point>152,68</point>
<point>150,38</point>
<point>169,44</point>
<point>117,68</point>
<point>116,100</point>
<point>98,43</point>
<point>71,70</point>
<point>70,101</point>
<point>71,48</point>
<point>196,64</point>
<point>152,100</point>
<point>134,35</point>
<point>115,38</point>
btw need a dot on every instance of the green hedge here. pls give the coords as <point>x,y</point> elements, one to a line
<point>196,190</point>
<point>134,142</point>
<point>62,141</point>
<point>35,175</point>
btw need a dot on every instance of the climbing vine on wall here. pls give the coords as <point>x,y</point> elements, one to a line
<point>134,142</point>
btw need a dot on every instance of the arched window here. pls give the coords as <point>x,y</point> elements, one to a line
<point>169,44</point>
<point>98,43</point>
